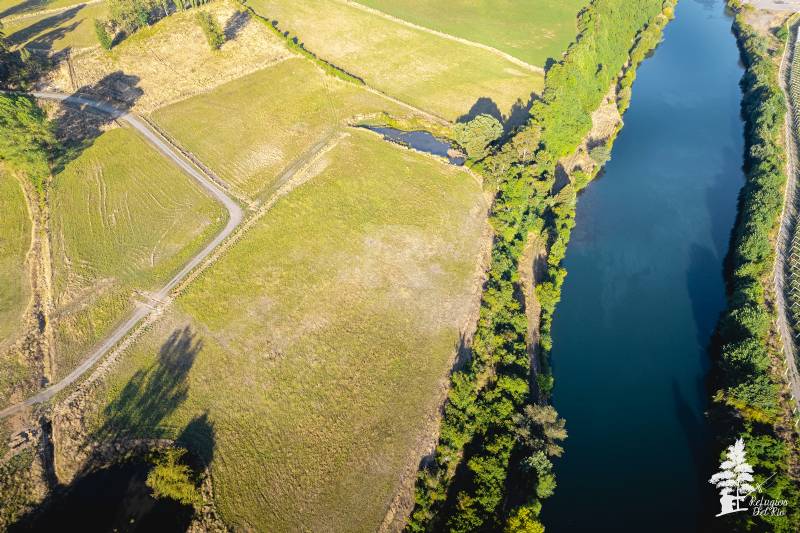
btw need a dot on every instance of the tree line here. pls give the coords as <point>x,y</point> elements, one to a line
<point>746,380</point>
<point>492,464</point>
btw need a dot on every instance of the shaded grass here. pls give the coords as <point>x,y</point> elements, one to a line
<point>265,121</point>
<point>436,74</point>
<point>326,332</point>
<point>530,31</point>
<point>123,219</point>
<point>73,28</point>
<point>15,241</point>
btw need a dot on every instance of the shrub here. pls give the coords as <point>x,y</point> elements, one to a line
<point>211,29</point>
<point>476,135</point>
<point>103,36</point>
<point>173,479</point>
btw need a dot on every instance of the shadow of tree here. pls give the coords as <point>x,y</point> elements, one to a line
<point>24,7</point>
<point>152,393</point>
<point>517,116</point>
<point>119,490</point>
<point>25,34</point>
<point>235,24</point>
<point>77,124</point>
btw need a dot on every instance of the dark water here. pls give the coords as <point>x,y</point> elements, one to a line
<point>112,499</point>
<point>421,141</point>
<point>645,289</point>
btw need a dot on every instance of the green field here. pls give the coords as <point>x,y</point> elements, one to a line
<point>15,240</point>
<point>436,74</point>
<point>73,28</point>
<point>307,360</point>
<point>532,30</point>
<point>15,8</point>
<point>265,121</point>
<point>122,218</point>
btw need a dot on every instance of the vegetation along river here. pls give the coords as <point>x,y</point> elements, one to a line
<point>645,289</point>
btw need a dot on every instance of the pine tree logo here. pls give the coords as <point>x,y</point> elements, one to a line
<point>734,475</point>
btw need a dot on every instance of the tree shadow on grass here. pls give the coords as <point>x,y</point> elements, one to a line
<point>235,24</point>
<point>25,6</point>
<point>77,124</point>
<point>517,116</point>
<point>48,23</point>
<point>116,497</point>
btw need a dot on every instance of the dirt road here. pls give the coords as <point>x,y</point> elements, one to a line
<point>235,217</point>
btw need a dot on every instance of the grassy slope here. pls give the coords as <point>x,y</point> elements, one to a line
<point>15,240</point>
<point>13,8</point>
<point>123,218</point>
<point>264,121</point>
<point>529,30</point>
<point>56,31</point>
<point>433,73</point>
<point>324,335</point>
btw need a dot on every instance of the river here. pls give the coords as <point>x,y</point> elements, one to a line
<point>645,289</point>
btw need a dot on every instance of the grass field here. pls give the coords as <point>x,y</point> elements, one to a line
<point>265,121</point>
<point>15,240</point>
<point>73,28</point>
<point>122,218</point>
<point>532,31</point>
<point>430,72</point>
<point>15,8</point>
<point>305,362</point>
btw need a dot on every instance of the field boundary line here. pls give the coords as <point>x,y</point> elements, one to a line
<point>53,11</point>
<point>788,223</point>
<point>142,310</point>
<point>443,35</point>
<point>107,364</point>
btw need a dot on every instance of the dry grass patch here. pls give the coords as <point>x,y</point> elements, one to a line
<point>436,74</point>
<point>171,60</point>
<point>123,219</point>
<point>319,342</point>
<point>265,121</point>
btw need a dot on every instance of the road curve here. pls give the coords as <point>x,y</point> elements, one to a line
<point>788,226</point>
<point>235,216</point>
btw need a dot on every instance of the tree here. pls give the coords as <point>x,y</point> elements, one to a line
<point>130,15</point>
<point>524,520</point>
<point>734,473</point>
<point>211,29</point>
<point>476,135</point>
<point>600,154</point>
<point>26,137</point>
<point>103,37</point>
<point>173,479</point>
<point>539,428</point>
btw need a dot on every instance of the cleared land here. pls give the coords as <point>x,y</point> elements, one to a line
<point>265,121</point>
<point>304,363</point>
<point>15,241</point>
<point>123,219</point>
<point>532,31</point>
<point>436,74</point>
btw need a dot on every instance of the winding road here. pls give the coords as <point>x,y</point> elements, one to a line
<point>235,217</point>
<point>788,225</point>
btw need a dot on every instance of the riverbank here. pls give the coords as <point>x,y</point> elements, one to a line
<point>493,425</point>
<point>748,377</point>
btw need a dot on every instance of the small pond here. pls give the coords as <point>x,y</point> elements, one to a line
<point>421,141</point>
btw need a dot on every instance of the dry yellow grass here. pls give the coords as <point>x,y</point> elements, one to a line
<point>430,72</point>
<point>315,348</point>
